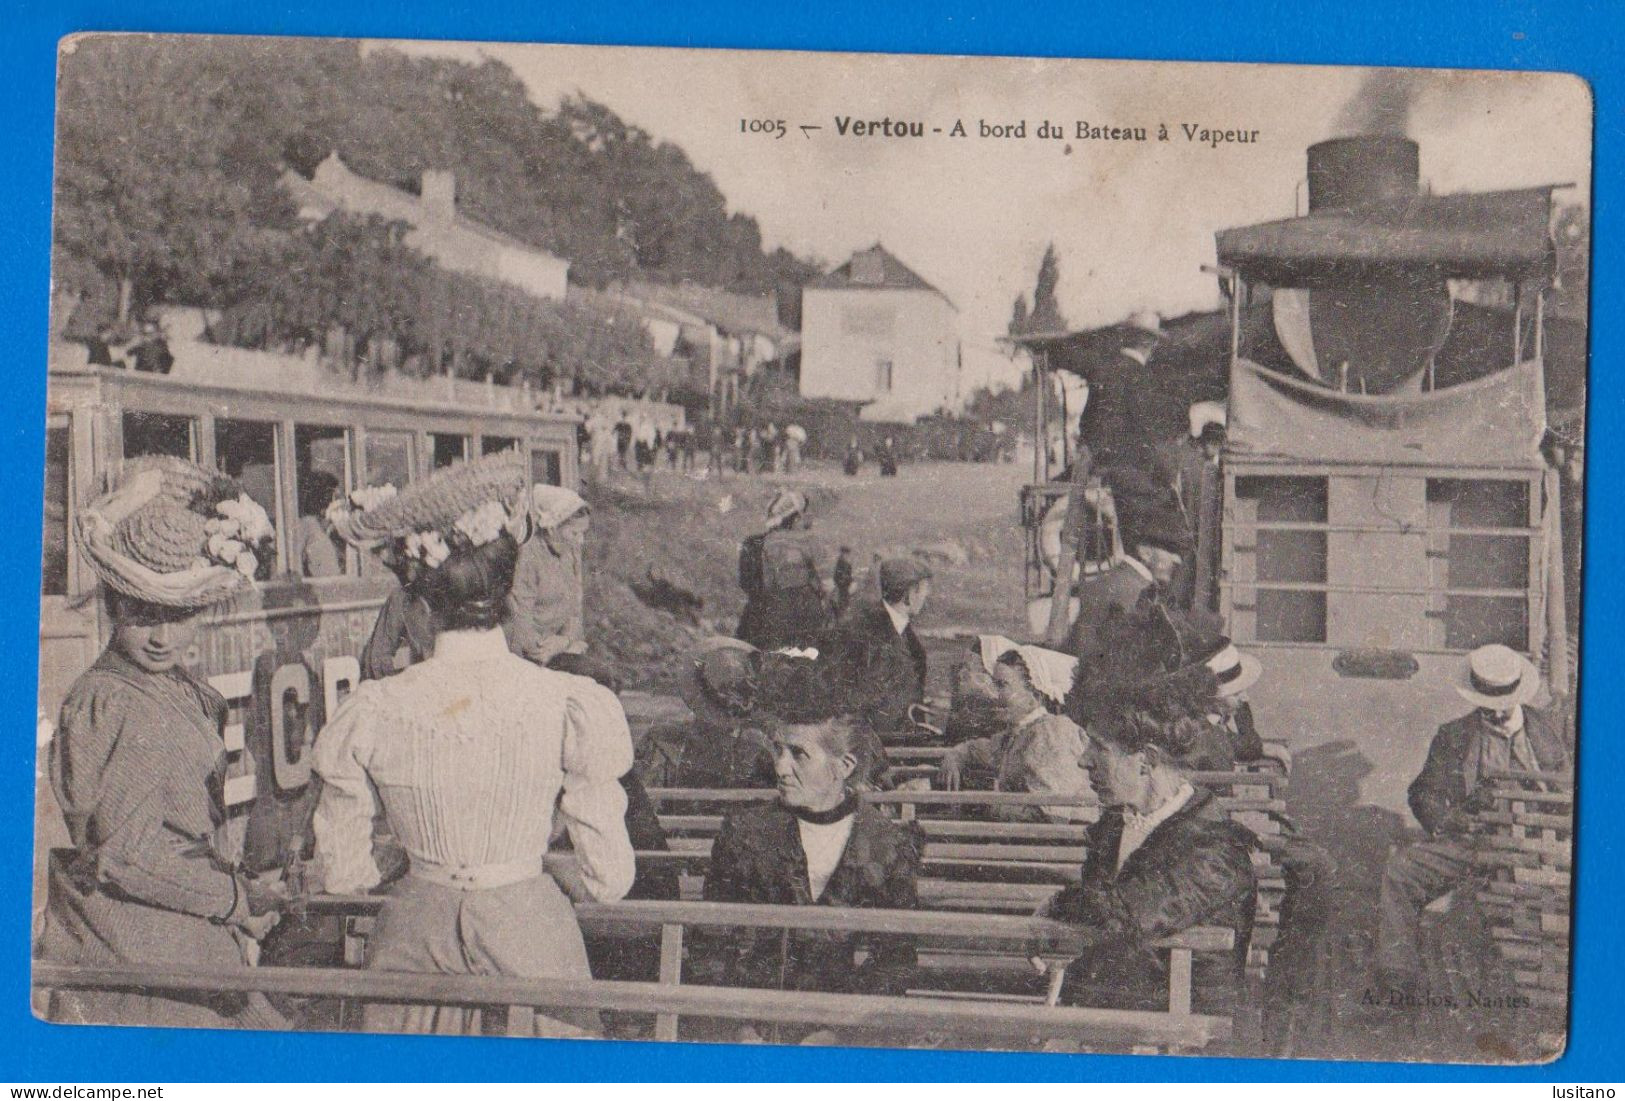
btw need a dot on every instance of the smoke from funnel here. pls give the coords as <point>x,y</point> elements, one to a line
<point>1381,105</point>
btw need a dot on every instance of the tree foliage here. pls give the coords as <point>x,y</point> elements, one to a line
<point>354,279</point>
<point>169,152</point>
<point>1046,312</point>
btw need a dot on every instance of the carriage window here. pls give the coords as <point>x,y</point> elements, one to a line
<point>1291,554</point>
<point>546,466</point>
<point>389,458</point>
<point>246,450</point>
<point>1484,527</point>
<point>57,480</point>
<point>491,445</point>
<point>158,434</point>
<point>322,471</point>
<point>448,448</point>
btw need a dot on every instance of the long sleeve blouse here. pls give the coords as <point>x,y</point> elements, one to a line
<point>136,766</point>
<point>470,752</point>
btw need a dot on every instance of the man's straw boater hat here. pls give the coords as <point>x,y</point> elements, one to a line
<point>174,534</point>
<point>466,505</point>
<point>1235,671</point>
<point>1498,677</point>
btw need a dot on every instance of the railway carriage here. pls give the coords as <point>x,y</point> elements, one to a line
<point>286,652</point>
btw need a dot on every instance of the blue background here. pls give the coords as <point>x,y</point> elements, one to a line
<point>1584,38</point>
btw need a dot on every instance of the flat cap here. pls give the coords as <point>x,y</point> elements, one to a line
<point>898,572</point>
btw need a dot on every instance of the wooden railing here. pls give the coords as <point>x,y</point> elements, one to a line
<point>983,1023</point>
<point>994,938</point>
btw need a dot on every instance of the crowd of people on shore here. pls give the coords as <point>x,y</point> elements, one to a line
<point>635,440</point>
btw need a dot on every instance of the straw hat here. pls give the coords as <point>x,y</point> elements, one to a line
<point>1235,671</point>
<point>1497,677</point>
<point>175,534</point>
<point>467,504</point>
<point>785,504</point>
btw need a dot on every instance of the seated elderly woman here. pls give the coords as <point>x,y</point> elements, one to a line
<point>1163,857</point>
<point>1036,749</point>
<point>816,845</point>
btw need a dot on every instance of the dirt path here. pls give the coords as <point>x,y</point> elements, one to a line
<point>963,516</point>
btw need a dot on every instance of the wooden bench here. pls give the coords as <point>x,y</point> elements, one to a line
<point>955,949</point>
<point>1524,845</point>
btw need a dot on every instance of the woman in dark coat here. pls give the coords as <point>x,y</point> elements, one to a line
<point>138,764</point>
<point>817,845</point>
<point>1163,857</point>
<point>784,596</point>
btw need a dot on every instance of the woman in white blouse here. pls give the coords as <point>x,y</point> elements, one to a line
<point>470,752</point>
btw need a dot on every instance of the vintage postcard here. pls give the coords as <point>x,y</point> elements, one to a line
<point>1043,555</point>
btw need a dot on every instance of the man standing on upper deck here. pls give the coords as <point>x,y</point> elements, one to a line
<point>1108,426</point>
<point>1504,733</point>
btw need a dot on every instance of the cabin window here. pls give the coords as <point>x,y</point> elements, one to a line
<point>448,448</point>
<point>1479,544</point>
<point>389,459</point>
<point>321,473</point>
<point>546,466</point>
<point>58,482</point>
<point>246,450</point>
<point>1290,553</point>
<point>159,434</point>
<point>492,445</point>
<point>883,376</point>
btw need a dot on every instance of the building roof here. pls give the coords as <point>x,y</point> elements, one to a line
<point>875,269</point>
<point>731,312</point>
<point>338,187</point>
<point>1473,236</point>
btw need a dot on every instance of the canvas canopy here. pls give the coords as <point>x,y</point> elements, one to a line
<point>1495,421</point>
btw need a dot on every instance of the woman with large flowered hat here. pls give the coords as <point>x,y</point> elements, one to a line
<point>471,752</point>
<point>138,762</point>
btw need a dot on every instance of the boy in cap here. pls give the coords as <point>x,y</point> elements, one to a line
<point>876,659</point>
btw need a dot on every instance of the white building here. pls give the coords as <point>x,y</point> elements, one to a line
<point>874,331</point>
<point>454,241</point>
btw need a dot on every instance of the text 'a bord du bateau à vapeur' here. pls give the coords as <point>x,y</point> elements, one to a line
<point>1211,135</point>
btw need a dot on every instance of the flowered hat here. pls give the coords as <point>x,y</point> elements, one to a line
<point>175,534</point>
<point>468,504</point>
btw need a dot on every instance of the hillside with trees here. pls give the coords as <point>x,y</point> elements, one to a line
<point>169,152</point>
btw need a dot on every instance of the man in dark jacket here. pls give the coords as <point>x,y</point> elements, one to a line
<point>1503,733</point>
<point>875,658</point>
<point>1111,425</point>
<point>817,845</point>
